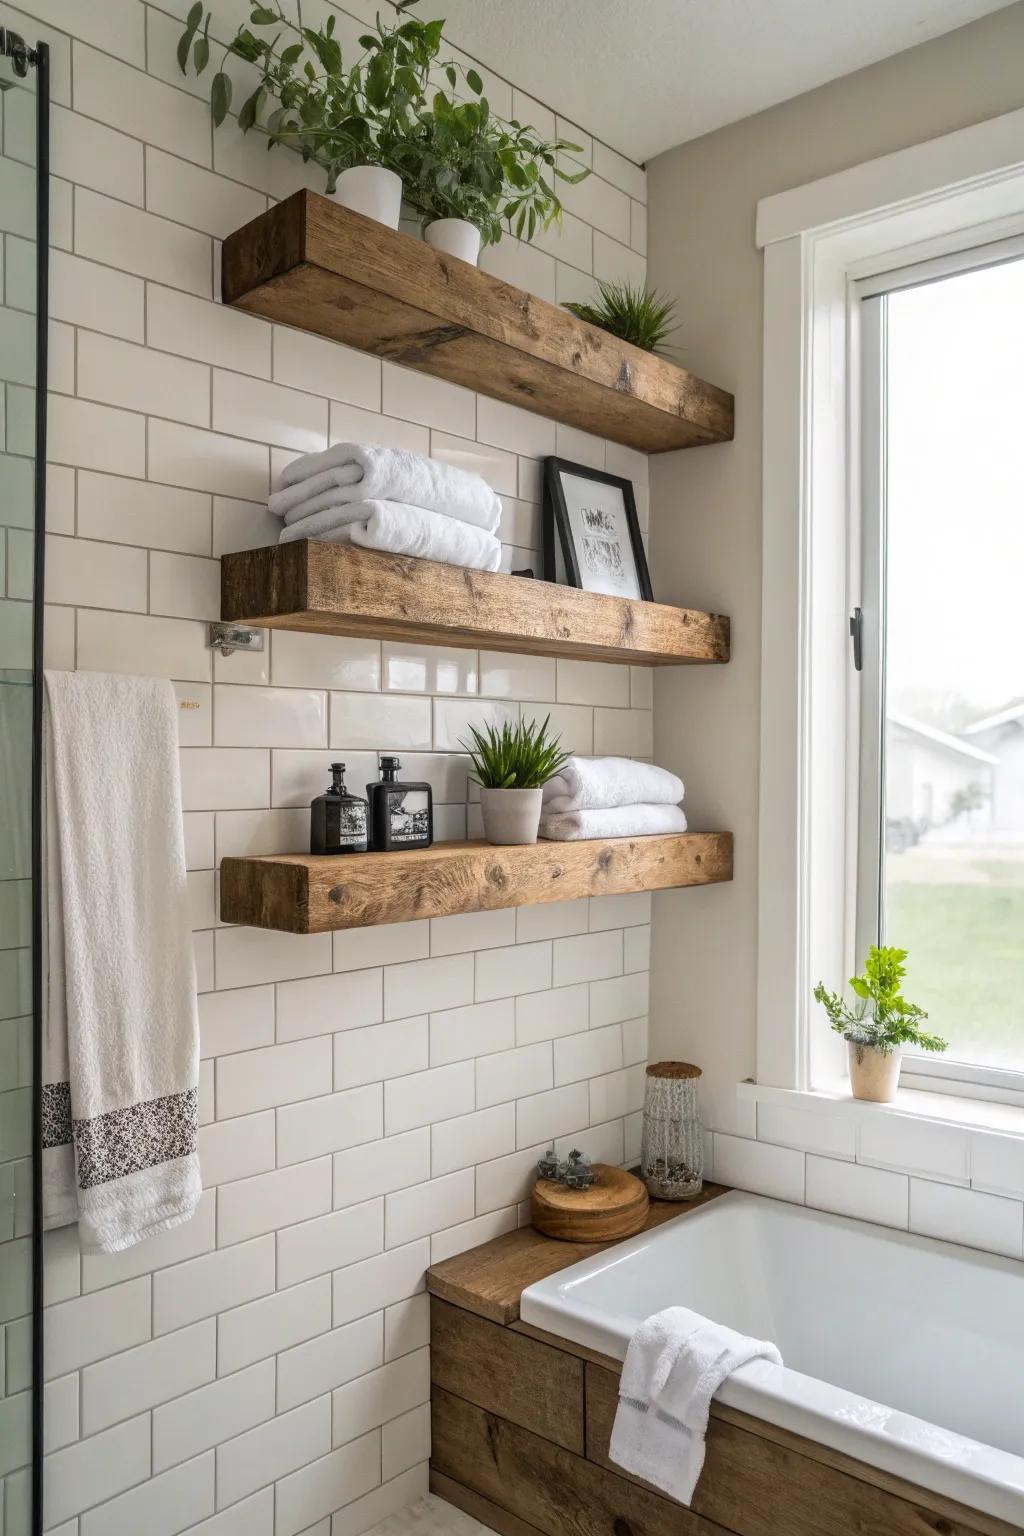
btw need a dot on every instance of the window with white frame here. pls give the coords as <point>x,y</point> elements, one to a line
<point>893,480</point>
<point>940,841</point>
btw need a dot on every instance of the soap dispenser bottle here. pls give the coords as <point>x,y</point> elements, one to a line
<point>338,820</point>
<point>401,814</point>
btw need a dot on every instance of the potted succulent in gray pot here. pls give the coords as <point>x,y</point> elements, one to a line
<point>877,1025</point>
<point>511,766</point>
<point>347,119</point>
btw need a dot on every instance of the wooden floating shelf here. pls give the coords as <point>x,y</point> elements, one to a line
<point>301,893</point>
<point>334,589</point>
<point>309,263</point>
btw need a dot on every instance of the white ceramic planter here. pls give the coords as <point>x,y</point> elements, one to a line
<point>457,237</point>
<point>874,1075</point>
<point>511,815</point>
<point>373,191</point>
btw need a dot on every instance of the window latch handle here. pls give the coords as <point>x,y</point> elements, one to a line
<point>857,636</point>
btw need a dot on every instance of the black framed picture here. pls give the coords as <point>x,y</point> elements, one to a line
<point>592,533</point>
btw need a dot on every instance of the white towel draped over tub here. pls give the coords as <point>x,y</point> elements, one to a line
<point>675,1363</point>
<point>121,1032</point>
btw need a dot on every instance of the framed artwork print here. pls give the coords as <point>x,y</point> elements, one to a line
<point>591,532</point>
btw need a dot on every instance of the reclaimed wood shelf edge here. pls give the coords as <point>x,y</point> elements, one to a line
<point>337,590</point>
<point>309,263</point>
<point>303,893</point>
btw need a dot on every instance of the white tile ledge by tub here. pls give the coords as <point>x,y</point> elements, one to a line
<point>911,1103</point>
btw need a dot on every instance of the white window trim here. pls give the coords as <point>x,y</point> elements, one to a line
<point>967,1112</point>
<point>964,189</point>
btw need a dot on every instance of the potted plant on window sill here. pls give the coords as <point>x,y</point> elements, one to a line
<point>511,766</point>
<point>877,1025</point>
<point>350,120</point>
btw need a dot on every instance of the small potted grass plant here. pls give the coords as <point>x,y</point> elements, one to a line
<point>877,1025</point>
<point>632,312</point>
<point>511,766</point>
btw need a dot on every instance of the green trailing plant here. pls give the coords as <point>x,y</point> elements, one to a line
<point>880,1017</point>
<point>520,756</point>
<point>335,116</point>
<point>463,162</point>
<point>455,158</point>
<point>631,312</point>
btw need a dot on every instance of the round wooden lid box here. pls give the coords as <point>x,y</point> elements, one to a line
<point>615,1206</point>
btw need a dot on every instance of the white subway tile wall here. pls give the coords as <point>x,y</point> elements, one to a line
<point>893,1167</point>
<point>373,1102</point>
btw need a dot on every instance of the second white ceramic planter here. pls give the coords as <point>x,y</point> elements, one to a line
<point>511,815</point>
<point>457,237</point>
<point>373,191</point>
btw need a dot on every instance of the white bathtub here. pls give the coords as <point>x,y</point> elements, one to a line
<point>901,1351</point>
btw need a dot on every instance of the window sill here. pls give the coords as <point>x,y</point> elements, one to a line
<point>910,1104</point>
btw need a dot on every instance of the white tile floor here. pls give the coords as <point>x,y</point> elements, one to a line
<point>431,1517</point>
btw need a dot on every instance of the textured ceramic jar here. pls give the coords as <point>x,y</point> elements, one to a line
<point>874,1075</point>
<point>672,1150</point>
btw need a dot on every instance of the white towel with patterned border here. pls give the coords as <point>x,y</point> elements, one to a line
<point>121,1029</point>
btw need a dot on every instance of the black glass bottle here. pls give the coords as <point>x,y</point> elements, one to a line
<point>401,814</point>
<point>338,820</point>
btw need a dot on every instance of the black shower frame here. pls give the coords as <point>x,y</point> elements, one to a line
<point>23,59</point>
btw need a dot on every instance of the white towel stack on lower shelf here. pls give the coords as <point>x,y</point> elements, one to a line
<point>391,500</point>
<point>610,797</point>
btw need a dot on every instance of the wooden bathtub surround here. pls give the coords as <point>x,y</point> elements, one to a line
<point>489,1280</point>
<point>521,1423</point>
<point>309,263</point>
<point>335,589</point>
<point>307,893</point>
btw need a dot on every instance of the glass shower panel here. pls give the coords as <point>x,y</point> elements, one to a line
<point>19,639</point>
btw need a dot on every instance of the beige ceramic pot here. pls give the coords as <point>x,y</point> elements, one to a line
<point>874,1075</point>
<point>510,815</point>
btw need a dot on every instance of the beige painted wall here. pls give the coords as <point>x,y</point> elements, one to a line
<point>706,506</point>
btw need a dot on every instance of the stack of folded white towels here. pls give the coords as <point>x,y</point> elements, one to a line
<point>610,797</point>
<point>388,499</point>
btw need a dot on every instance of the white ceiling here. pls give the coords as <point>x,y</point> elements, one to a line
<point>644,75</point>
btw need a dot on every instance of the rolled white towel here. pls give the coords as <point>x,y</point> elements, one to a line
<point>329,521</point>
<point>366,472</point>
<point>599,783</point>
<point>401,530</point>
<point>617,821</point>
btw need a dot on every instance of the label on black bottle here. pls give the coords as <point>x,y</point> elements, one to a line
<point>351,824</point>
<point>409,817</point>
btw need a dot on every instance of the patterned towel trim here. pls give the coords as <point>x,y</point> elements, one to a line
<point>122,1141</point>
